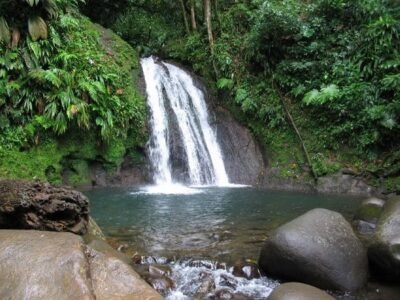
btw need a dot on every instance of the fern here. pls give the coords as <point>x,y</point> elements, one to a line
<point>326,94</point>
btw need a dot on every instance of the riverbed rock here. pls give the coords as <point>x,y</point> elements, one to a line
<point>50,265</point>
<point>367,215</point>
<point>384,249</point>
<point>319,248</point>
<point>41,206</point>
<point>246,269</point>
<point>298,291</point>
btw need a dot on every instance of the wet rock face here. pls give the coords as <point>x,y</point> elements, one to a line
<point>298,291</point>
<point>319,248</point>
<point>384,248</point>
<point>40,206</point>
<point>244,162</point>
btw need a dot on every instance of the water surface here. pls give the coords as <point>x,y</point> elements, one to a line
<point>224,224</point>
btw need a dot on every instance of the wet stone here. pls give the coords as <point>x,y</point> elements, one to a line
<point>246,269</point>
<point>162,284</point>
<point>159,270</point>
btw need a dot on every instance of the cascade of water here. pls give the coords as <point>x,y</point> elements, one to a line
<point>174,100</point>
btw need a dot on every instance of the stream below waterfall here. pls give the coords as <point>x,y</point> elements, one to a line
<point>211,226</point>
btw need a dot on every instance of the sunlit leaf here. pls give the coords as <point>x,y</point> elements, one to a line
<point>37,28</point>
<point>4,31</point>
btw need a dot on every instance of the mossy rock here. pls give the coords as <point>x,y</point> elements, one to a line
<point>384,248</point>
<point>370,210</point>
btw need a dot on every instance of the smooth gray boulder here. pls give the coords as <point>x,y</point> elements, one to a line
<point>384,248</point>
<point>49,265</point>
<point>298,291</point>
<point>318,248</point>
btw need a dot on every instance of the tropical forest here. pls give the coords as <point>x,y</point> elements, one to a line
<point>200,149</point>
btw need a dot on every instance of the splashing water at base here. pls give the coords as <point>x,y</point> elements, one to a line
<point>202,282</point>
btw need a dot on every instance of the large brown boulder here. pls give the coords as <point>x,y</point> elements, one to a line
<point>114,279</point>
<point>384,247</point>
<point>318,248</point>
<point>48,265</point>
<point>41,206</point>
<point>43,265</point>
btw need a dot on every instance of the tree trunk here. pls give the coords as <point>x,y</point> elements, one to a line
<point>207,17</point>
<point>184,16</point>
<point>193,15</point>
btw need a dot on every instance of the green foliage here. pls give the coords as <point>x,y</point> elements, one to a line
<point>41,162</point>
<point>148,31</point>
<point>78,82</point>
<point>31,15</point>
<point>69,81</point>
<point>345,71</point>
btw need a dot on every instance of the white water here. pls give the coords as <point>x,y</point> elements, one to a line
<point>170,90</point>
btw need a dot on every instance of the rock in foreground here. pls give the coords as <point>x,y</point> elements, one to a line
<point>298,291</point>
<point>319,248</point>
<point>48,265</point>
<point>40,206</point>
<point>384,250</point>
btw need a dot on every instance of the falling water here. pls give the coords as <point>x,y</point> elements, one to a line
<point>177,105</point>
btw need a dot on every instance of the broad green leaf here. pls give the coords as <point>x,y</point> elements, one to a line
<point>37,28</point>
<point>225,83</point>
<point>4,31</point>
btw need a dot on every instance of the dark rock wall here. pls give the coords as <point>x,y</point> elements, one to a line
<point>243,157</point>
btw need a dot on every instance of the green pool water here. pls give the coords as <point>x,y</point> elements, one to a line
<point>225,224</point>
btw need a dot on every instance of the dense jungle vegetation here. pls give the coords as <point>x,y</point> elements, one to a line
<point>317,81</point>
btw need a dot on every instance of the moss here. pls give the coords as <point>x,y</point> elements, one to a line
<point>369,212</point>
<point>39,162</point>
<point>114,153</point>
<point>80,172</point>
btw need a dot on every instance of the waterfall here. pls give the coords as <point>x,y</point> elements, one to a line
<point>183,147</point>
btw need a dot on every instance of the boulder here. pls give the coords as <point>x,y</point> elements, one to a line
<point>298,291</point>
<point>41,206</point>
<point>93,232</point>
<point>319,248</point>
<point>114,279</point>
<point>43,265</point>
<point>50,265</point>
<point>246,269</point>
<point>367,215</point>
<point>384,248</point>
